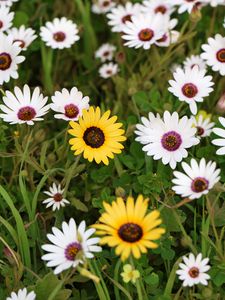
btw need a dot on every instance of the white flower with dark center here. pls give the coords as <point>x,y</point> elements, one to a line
<point>6,18</point>
<point>25,36</point>
<point>221,141</point>
<point>9,58</point>
<point>193,270</point>
<point>215,53</point>
<point>70,247</point>
<point>186,5</point>
<point>22,294</point>
<point>198,180</point>
<point>194,60</point>
<point>7,2</point>
<point>108,70</point>
<point>105,52</point>
<point>23,106</point>
<point>204,126</point>
<point>166,138</point>
<point>102,6</point>
<point>144,30</point>
<point>169,36</point>
<point>60,33</point>
<point>56,199</point>
<point>120,14</point>
<point>191,86</point>
<point>69,104</point>
<point>157,6</point>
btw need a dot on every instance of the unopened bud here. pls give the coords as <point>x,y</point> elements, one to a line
<point>120,57</point>
<point>220,106</point>
<point>39,135</point>
<point>196,15</point>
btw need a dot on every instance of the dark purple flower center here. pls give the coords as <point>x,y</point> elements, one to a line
<point>72,250</point>
<point>126,18</point>
<point>5,61</point>
<point>1,24</point>
<point>59,36</point>
<point>161,9</point>
<point>171,141</point>
<point>199,185</point>
<point>194,272</point>
<point>220,55</point>
<point>200,130</point>
<point>58,197</point>
<point>94,137</point>
<point>71,111</point>
<point>146,35</point>
<point>26,113</point>
<point>22,43</point>
<point>190,90</point>
<point>130,232</point>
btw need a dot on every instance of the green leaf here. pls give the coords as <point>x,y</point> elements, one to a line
<point>152,279</point>
<point>79,205</point>
<point>20,18</point>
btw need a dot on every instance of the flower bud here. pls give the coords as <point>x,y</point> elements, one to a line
<point>220,106</point>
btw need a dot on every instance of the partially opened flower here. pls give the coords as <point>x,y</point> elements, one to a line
<point>128,227</point>
<point>23,106</point>
<point>169,36</point>
<point>119,15</point>
<point>60,33</point>
<point>69,104</point>
<point>194,60</point>
<point>9,58</point>
<point>203,124</point>
<point>70,246</point>
<point>130,274</point>
<point>197,181</point>
<point>214,53</point>
<point>97,136</point>
<point>166,138</point>
<point>25,36</point>
<point>22,294</point>
<point>193,270</point>
<point>220,141</point>
<point>6,18</point>
<point>105,52</point>
<point>56,199</point>
<point>108,70</point>
<point>191,86</point>
<point>7,2</point>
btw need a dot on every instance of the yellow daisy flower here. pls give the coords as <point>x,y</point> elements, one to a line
<point>128,227</point>
<point>98,137</point>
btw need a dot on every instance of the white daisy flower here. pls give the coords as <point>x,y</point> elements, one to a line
<point>214,3</point>
<point>102,6</point>
<point>169,36</point>
<point>221,141</point>
<point>166,138</point>
<point>120,14</point>
<point>215,53</point>
<point>25,36</point>
<point>204,126</point>
<point>193,270</point>
<point>22,295</point>
<point>6,18</point>
<point>7,2</point>
<point>186,5</point>
<point>69,104</point>
<point>56,199</point>
<point>157,6</point>
<point>194,60</point>
<point>191,86</point>
<point>105,52</point>
<point>144,30</point>
<point>70,247</point>
<point>9,58</point>
<point>23,106</point>
<point>60,33</point>
<point>198,180</point>
<point>108,70</point>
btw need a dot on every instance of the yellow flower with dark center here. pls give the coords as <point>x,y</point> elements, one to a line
<point>97,137</point>
<point>128,227</point>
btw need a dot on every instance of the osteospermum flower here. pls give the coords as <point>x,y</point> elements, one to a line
<point>157,6</point>
<point>119,15</point>
<point>102,6</point>
<point>69,104</point>
<point>169,36</point>
<point>128,227</point>
<point>7,2</point>
<point>97,137</point>
<point>214,53</point>
<point>143,30</point>
<point>105,52</point>
<point>129,274</point>
<point>23,106</point>
<point>197,181</point>
<point>70,247</point>
<point>108,70</point>
<point>60,33</point>
<point>6,18</point>
<point>191,86</point>
<point>56,199</point>
<point>25,36</point>
<point>194,60</point>
<point>166,138</point>
<point>193,270</point>
<point>204,125</point>
<point>221,141</point>
<point>22,295</point>
<point>9,58</point>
